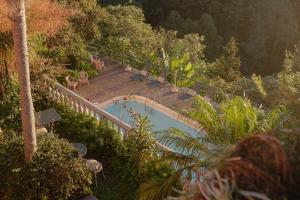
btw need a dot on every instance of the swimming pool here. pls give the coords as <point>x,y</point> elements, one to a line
<point>159,120</point>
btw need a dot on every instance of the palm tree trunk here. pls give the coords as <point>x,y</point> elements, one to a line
<point>17,10</point>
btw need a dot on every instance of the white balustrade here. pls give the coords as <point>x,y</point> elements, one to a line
<point>61,94</point>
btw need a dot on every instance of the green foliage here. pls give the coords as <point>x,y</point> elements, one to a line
<point>235,119</point>
<point>178,64</point>
<point>137,160</point>
<point>204,26</point>
<point>10,115</point>
<point>228,65</point>
<point>55,172</point>
<point>99,138</point>
<point>125,25</point>
<point>132,160</point>
<point>213,40</point>
<point>240,19</point>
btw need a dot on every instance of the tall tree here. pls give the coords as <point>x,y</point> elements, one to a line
<point>228,64</point>
<point>18,22</point>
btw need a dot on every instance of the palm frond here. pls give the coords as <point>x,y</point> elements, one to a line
<point>184,143</point>
<point>275,118</point>
<point>160,188</point>
<point>206,115</point>
<point>239,119</point>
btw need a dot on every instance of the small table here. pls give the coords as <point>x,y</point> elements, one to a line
<point>47,117</point>
<point>81,148</point>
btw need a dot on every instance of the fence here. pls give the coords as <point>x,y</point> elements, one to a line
<point>61,94</point>
<point>204,88</point>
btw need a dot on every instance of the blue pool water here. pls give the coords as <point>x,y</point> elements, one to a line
<point>159,120</point>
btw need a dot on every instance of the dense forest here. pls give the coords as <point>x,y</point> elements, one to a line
<point>264,29</point>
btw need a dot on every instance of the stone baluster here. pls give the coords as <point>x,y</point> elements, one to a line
<point>76,105</point>
<point>81,109</point>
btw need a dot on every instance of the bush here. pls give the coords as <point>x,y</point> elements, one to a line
<point>10,115</point>
<point>55,172</point>
<point>132,160</point>
<point>138,159</point>
<point>100,139</point>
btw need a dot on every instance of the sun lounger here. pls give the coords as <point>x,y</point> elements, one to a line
<point>144,73</point>
<point>154,83</point>
<point>185,96</point>
<point>137,77</point>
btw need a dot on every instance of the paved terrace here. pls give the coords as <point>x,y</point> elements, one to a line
<point>115,81</point>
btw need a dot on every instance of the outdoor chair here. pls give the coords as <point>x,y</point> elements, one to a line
<point>41,131</point>
<point>98,64</point>
<point>71,84</point>
<point>94,166</point>
<point>83,78</point>
<point>144,73</point>
<point>192,92</point>
<point>101,66</point>
<point>137,77</point>
<point>154,83</point>
<point>174,89</point>
<point>185,96</point>
<point>160,79</point>
<point>128,69</point>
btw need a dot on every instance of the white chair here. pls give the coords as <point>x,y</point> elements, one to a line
<point>192,92</point>
<point>160,79</point>
<point>41,131</point>
<point>71,84</point>
<point>83,78</point>
<point>94,166</point>
<point>128,69</point>
<point>174,89</point>
<point>144,72</point>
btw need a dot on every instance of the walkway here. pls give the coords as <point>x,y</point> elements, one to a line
<point>115,81</point>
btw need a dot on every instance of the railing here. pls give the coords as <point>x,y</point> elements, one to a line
<point>125,58</point>
<point>61,94</point>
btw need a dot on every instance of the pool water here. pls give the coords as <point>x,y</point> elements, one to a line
<point>159,121</point>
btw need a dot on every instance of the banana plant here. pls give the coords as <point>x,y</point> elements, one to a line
<point>178,63</point>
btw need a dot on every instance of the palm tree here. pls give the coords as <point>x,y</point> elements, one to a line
<point>18,21</point>
<point>223,127</point>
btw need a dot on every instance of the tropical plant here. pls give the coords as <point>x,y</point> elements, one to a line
<point>137,159</point>
<point>222,127</point>
<point>178,63</point>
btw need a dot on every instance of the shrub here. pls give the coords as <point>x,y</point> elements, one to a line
<point>137,160</point>
<point>10,116</point>
<point>133,160</point>
<point>100,139</point>
<point>55,172</point>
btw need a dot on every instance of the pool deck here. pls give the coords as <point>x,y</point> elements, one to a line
<point>115,82</point>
